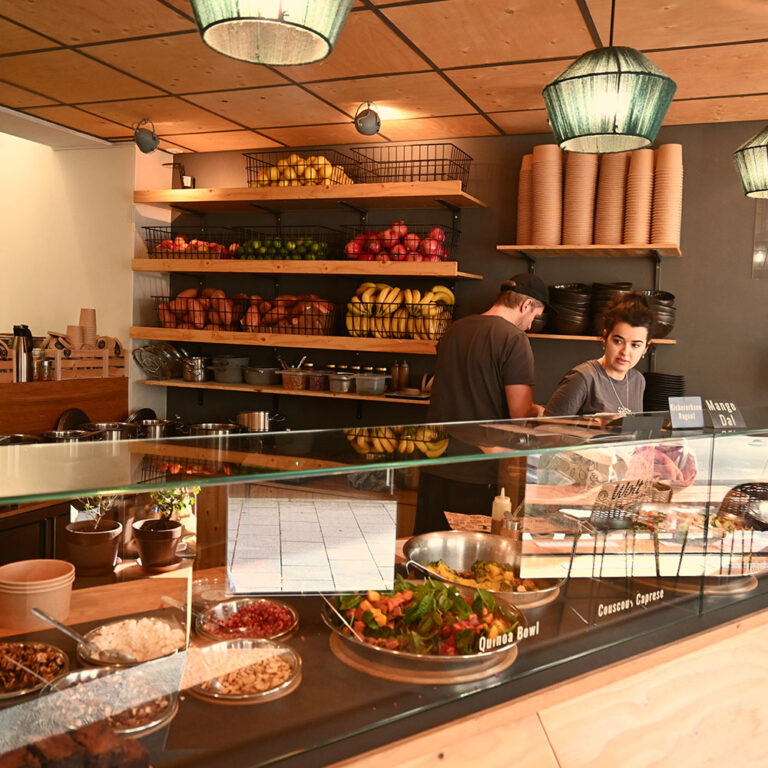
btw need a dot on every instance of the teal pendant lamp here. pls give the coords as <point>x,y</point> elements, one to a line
<point>272,32</point>
<point>609,100</point>
<point>751,161</point>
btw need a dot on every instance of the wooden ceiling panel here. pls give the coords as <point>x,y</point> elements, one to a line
<point>16,98</point>
<point>81,121</point>
<point>183,64</point>
<point>366,46</point>
<point>429,128</point>
<point>458,33</point>
<point>396,96</point>
<point>320,135</point>
<point>525,121</point>
<point>720,71</point>
<point>70,77</point>
<point>265,107</point>
<point>647,25</point>
<point>509,87</point>
<point>14,39</point>
<point>169,115</point>
<point>728,110</point>
<point>224,141</point>
<point>75,22</point>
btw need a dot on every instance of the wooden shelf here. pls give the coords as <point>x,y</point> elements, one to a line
<point>566,337</point>
<point>278,391</point>
<point>443,269</point>
<point>411,194</point>
<point>292,340</point>
<point>590,251</point>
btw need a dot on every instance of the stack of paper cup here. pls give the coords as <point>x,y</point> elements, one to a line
<point>579,198</point>
<point>75,336</point>
<point>88,323</point>
<point>667,195</point>
<point>547,194</point>
<point>637,206</point>
<point>525,201</point>
<point>609,215</point>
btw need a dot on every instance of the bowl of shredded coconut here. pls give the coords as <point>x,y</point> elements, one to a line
<point>145,638</point>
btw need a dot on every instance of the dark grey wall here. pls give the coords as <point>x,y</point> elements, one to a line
<point>722,326</point>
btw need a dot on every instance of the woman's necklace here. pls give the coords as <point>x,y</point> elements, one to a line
<point>623,409</point>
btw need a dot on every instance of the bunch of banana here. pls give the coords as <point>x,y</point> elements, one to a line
<point>372,439</point>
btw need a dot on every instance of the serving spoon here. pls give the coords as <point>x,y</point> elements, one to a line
<point>92,648</point>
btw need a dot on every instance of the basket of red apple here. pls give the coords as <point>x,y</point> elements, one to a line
<point>401,242</point>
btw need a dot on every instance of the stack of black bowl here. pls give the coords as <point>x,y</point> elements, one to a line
<point>664,311</point>
<point>569,305</point>
<point>659,387</point>
<point>602,295</point>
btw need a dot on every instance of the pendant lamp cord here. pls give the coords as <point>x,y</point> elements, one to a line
<point>613,13</point>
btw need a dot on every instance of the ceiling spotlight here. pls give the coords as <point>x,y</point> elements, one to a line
<point>146,140</point>
<point>272,32</point>
<point>367,120</point>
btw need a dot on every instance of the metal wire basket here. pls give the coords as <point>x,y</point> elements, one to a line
<point>290,243</point>
<point>440,246</point>
<point>284,314</point>
<point>413,162</point>
<point>288,168</point>
<point>426,321</point>
<point>190,243</point>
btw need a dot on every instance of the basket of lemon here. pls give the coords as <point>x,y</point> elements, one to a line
<point>290,169</point>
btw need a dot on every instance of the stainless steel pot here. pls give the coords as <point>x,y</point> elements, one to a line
<point>214,429</point>
<point>112,430</point>
<point>195,369</point>
<point>66,435</point>
<point>228,370</point>
<point>156,428</point>
<point>19,439</point>
<point>260,421</point>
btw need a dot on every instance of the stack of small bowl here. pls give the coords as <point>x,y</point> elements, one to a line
<point>602,295</point>
<point>27,584</point>
<point>569,304</point>
<point>664,311</point>
<point>659,387</point>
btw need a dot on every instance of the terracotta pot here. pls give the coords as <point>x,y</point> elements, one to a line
<point>156,540</point>
<point>93,551</point>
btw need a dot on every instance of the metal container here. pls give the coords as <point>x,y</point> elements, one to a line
<point>205,625</point>
<point>19,439</point>
<point>157,428</point>
<point>460,549</point>
<point>257,421</point>
<point>112,430</point>
<point>227,369</point>
<point>66,436</point>
<point>214,429</point>
<point>339,383</point>
<point>61,659</point>
<point>261,376</point>
<point>195,369</point>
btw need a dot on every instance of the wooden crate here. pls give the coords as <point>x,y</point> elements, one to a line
<point>8,369</point>
<point>87,364</point>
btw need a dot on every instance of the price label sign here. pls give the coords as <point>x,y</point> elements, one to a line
<point>724,414</point>
<point>686,412</point>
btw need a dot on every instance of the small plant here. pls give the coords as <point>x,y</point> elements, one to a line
<point>171,503</point>
<point>95,507</point>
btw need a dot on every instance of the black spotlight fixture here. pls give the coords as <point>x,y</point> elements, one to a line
<point>367,120</point>
<point>146,139</point>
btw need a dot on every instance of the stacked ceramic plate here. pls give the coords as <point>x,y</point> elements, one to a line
<point>611,188</point>
<point>525,201</point>
<point>547,210</point>
<point>667,194</point>
<point>579,198</point>
<point>602,295</point>
<point>659,387</point>
<point>637,206</point>
<point>569,304</point>
<point>664,311</point>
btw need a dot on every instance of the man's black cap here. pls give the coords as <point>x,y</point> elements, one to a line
<point>529,285</point>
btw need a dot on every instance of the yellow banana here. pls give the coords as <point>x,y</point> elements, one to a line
<point>436,448</point>
<point>362,445</point>
<point>363,287</point>
<point>402,446</point>
<point>408,297</point>
<point>444,294</point>
<point>427,304</point>
<point>421,445</point>
<point>377,446</point>
<point>356,306</point>
<point>367,300</point>
<point>351,325</point>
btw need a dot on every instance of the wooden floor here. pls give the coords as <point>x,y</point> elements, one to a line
<point>696,703</point>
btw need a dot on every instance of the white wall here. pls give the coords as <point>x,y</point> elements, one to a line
<point>67,236</point>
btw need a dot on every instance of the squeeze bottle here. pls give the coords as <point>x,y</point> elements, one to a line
<point>502,506</point>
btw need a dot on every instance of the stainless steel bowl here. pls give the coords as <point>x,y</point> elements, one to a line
<point>225,654</point>
<point>128,691</point>
<point>228,608</point>
<point>460,549</point>
<point>12,693</point>
<point>419,662</point>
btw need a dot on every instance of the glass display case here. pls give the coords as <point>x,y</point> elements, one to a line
<point>318,593</point>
